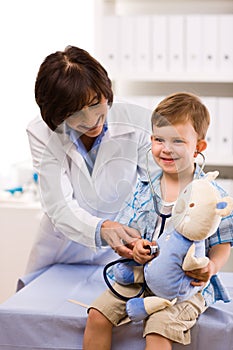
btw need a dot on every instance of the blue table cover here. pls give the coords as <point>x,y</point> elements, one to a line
<point>39,316</point>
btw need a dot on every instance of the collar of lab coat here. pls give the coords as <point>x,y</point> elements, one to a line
<point>119,120</point>
<point>119,123</point>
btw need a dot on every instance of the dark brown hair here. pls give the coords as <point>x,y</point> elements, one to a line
<point>181,107</point>
<point>65,82</point>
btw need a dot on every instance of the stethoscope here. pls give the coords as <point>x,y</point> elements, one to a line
<point>164,217</point>
<point>156,198</point>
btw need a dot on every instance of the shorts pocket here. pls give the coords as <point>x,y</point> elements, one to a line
<point>188,313</point>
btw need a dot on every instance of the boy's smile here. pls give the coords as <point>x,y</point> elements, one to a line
<point>174,146</point>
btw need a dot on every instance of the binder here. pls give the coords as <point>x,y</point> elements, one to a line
<point>110,44</point>
<point>209,43</point>
<point>159,44</point>
<point>193,43</point>
<point>226,44</point>
<point>212,133</point>
<point>176,43</point>
<point>127,44</point>
<point>142,44</point>
<point>225,126</point>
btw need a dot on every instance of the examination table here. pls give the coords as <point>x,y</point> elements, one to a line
<point>40,315</point>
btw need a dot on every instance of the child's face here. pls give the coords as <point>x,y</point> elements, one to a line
<point>174,146</point>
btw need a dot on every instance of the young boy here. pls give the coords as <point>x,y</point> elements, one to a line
<point>179,125</point>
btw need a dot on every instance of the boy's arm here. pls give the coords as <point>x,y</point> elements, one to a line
<point>218,256</point>
<point>141,251</point>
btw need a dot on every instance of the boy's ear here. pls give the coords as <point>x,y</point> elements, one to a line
<point>201,146</point>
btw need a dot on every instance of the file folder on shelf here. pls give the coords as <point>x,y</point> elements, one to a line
<point>225,126</point>
<point>159,44</point>
<point>193,45</point>
<point>176,43</point>
<point>226,44</point>
<point>142,44</point>
<point>110,44</point>
<point>212,138</point>
<point>127,44</point>
<point>209,43</point>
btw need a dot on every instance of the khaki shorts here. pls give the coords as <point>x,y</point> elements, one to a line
<point>173,322</point>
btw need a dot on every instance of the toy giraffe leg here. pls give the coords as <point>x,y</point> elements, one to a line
<point>139,308</point>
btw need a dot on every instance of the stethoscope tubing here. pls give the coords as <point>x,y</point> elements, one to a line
<point>163,216</point>
<point>120,296</point>
<point>154,195</point>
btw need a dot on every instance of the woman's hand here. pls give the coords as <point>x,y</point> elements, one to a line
<point>141,251</point>
<point>120,237</point>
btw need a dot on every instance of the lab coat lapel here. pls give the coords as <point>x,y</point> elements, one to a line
<point>112,146</point>
<point>75,157</point>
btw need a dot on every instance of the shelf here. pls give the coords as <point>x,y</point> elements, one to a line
<point>127,30</point>
<point>225,172</point>
<point>121,7</point>
<point>153,88</point>
<point>216,161</point>
<point>182,77</point>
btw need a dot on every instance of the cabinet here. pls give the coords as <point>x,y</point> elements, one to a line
<point>18,228</point>
<point>152,48</point>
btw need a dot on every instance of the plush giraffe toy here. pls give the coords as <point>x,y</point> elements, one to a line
<point>195,216</point>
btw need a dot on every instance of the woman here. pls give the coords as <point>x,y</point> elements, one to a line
<point>88,152</point>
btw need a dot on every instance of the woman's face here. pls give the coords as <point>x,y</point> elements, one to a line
<point>90,119</point>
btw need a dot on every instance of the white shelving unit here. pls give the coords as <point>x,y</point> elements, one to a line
<point>126,31</point>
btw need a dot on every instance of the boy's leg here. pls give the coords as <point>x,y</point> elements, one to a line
<point>104,313</point>
<point>98,332</point>
<point>175,322</point>
<point>157,342</point>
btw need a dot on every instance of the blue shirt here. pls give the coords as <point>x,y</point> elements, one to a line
<point>88,156</point>
<point>140,214</point>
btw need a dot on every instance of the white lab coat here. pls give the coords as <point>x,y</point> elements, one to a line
<point>73,200</point>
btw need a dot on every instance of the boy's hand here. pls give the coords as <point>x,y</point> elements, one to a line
<point>218,256</point>
<point>120,237</point>
<point>141,251</point>
<point>202,275</point>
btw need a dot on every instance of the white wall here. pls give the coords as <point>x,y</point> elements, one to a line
<point>30,30</point>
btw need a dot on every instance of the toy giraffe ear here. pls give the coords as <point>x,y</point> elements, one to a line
<point>225,206</point>
<point>211,175</point>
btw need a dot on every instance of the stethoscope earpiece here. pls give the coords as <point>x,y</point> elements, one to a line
<point>202,165</point>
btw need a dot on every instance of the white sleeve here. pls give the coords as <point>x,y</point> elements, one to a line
<point>51,164</point>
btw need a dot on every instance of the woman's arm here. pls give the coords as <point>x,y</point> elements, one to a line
<point>57,195</point>
<point>56,191</point>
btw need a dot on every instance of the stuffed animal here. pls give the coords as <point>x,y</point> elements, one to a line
<point>196,215</point>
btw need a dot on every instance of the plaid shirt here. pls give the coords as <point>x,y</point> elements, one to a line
<point>140,214</point>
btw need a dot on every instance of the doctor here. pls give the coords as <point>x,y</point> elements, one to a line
<point>88,153</point>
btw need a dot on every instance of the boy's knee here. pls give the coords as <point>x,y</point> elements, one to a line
<point>97,318</point>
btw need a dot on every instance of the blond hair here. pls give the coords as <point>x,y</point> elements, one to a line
<point>179,108</point>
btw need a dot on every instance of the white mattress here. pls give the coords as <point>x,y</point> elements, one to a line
<point>40,316</point>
